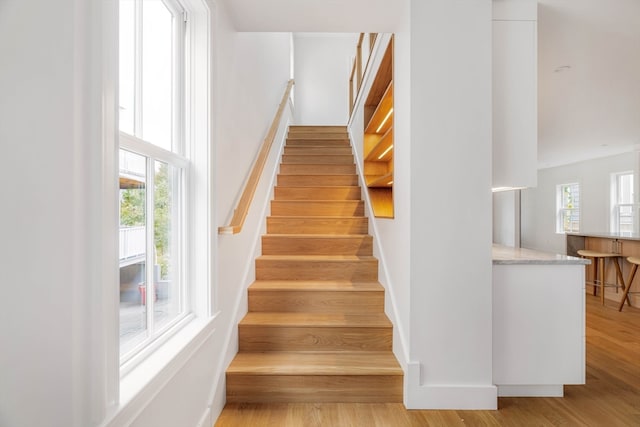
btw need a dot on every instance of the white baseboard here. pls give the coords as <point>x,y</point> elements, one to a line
<point>447,396</point>
<point>531,390</point>
<point>205,419</point>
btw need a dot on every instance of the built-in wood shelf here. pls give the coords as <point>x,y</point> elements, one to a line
<point>384,181</point>
<point>382,119</point>
<point>379,148</point>
<point>379,138</point>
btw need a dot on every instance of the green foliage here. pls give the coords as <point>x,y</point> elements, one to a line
<point>132,207</point>
<point>162,224</point>
<point>133,214</point>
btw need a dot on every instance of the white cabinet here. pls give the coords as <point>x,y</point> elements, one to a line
<point>538,328</point>
<point>515,100</point>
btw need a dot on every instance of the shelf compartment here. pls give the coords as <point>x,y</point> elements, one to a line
<point>380,150</point>
<point>377,124</point>
<point>377,181</point>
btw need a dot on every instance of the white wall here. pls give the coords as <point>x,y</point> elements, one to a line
<point>57,367</point>
<point>392,236</point>
<point>251,78</point>
<point>321,69</point>
<point>539,204</point>
<point>506,218</point>
<point>441,304</point>
<point>50,139</point>
<point>451,325</point>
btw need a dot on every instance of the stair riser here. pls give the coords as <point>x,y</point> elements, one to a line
<point>312,388</point>
<point>293,142</point>
<point>317,208</point>
<point>295,169</point>
<point>317,128</point>
<point>317,180</point>
<point>284,225</point>
<point>293,245</point>
<point>360,270</point>
<point>309,151</point>
<point>317,193</point>
<point>316,302</point>
<point>318,159</point>
<point>317,135</point>
<point>294,338</point>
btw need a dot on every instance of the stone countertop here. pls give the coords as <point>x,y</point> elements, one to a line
<point>503,255</point>
<point>608,235</point>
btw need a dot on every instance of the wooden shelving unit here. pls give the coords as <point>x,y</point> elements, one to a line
<point>378,138</point>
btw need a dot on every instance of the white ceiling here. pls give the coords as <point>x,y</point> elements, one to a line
<point>346,16</point>
<point>591,109</point>
<point>588,63</point>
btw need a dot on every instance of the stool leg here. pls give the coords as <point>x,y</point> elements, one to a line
<point>621,280</point>
<point>595,275</point>
<point>602,276</point>
<point>626,289</point>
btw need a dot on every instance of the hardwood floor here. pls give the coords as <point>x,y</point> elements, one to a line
<point>611,396</point>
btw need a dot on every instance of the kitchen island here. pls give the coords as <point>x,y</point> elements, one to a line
<point>625,244</point>
<point>538,322</point>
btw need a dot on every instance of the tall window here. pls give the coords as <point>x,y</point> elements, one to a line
<point>622,207</point>
<point>568,208</point>
<point>153,172</point>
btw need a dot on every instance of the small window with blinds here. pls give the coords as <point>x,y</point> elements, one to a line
<point>622,206</point>
<point>568,208</point>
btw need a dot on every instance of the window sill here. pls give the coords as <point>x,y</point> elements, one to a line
<point>139,386</point>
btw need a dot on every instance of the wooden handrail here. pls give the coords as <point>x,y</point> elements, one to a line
<point>359,68</point>
<point>240,213</point>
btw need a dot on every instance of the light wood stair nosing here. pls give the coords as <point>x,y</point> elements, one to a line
<point>315,363</point>
<point>321,320</point>
<point>315,286</point>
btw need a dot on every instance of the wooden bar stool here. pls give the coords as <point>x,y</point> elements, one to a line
<point>600,266</point>
<point>635,262</point>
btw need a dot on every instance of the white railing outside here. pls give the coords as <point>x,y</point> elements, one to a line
<point>132,242</point>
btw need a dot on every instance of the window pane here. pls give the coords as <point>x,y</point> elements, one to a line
<point>625,189</point>
<point>625,218</point>
<point>127,66</point>
<point>133,318</point>
<point>570,196</point>
<point>157,88</point>
<point>570,221</point>
<point>167,240</point>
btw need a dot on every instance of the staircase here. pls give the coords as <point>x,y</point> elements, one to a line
<point>316,329</point>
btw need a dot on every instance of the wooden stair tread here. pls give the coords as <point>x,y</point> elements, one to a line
<point>319,192</point>
<point>324,320</point>
<point>321,187</point>
<point>331,149</point>
<point>336,225</point>
<point>345,258</point>
<point>330,208</point>
<point>315,285</point>
<point>322,169</point>
<point>318,217</point>
<point>316,236</point>
<point>315,363</point>
<point>318,159</point>
<point>317,127</point>
<point>301,181</point>
<point>317,244</point>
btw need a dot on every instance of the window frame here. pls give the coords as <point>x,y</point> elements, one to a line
<point>562,210</point>
<point>615,200</point>
<point>180,147</point>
